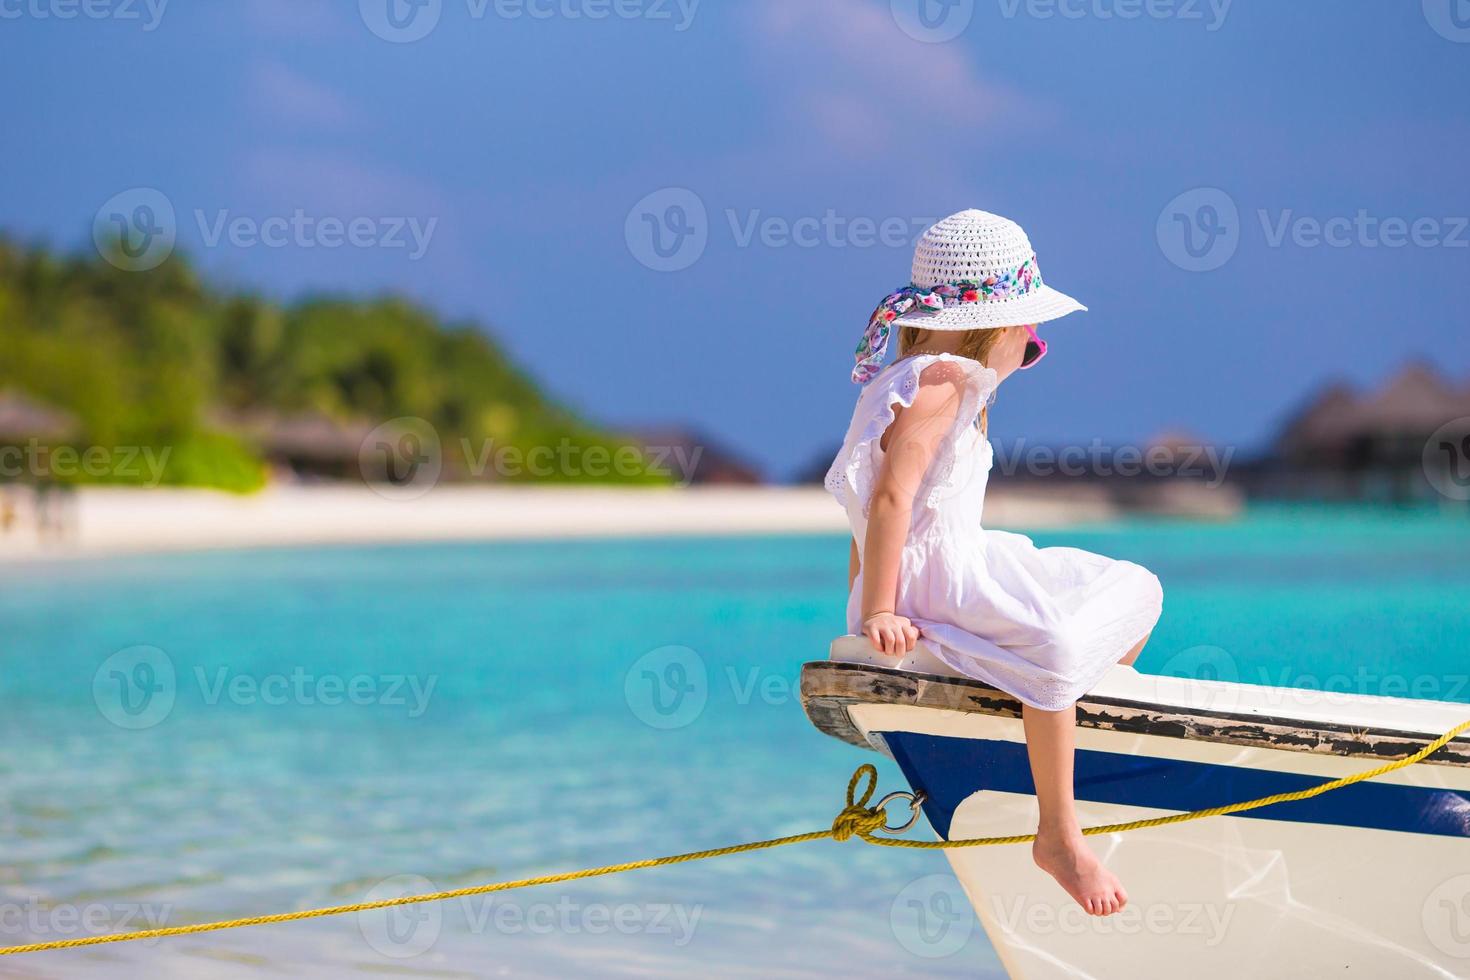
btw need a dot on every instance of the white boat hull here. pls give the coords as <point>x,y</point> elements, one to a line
<point>1372,880</point>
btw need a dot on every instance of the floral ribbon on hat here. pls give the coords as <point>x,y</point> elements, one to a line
<point>870,350</point>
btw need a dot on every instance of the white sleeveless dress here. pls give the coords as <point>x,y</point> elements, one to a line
<point>1043,624</point>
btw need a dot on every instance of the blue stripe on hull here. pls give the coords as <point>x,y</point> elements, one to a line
<point>950,769</point>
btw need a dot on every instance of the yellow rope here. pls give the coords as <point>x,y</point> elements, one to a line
<point>1214,811</point>
<point>857,819</point>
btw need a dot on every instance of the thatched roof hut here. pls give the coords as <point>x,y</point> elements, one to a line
<point>1341,423</point>
<point>693,457</point>
<point>313,437</point>
<point>305,444</point>
<point>1359,445</point>
<point>1415,401</point>
<point>23,419</point>
<point>1325,422</point>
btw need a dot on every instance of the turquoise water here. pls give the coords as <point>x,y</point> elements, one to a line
<point>515,710</point>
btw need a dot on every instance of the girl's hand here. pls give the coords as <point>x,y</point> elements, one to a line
<point>892,635</point>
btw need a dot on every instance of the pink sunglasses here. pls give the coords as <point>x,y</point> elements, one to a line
<point>1035,348</point>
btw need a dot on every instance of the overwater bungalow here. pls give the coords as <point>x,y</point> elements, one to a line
<point>1346,444</point>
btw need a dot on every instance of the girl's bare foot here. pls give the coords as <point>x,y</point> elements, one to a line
<point>1064,854</point>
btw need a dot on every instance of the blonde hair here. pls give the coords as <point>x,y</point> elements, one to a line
<point>974,344</point>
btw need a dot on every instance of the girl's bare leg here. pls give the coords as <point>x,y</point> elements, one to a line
<point>1060,849</point>
<point>1132,655</point>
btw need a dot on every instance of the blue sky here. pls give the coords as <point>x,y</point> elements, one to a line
<point>520,138</point>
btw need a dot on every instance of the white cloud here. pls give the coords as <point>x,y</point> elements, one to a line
<point>853,79</point>
<point>335,183</point>
<point>283,94</point>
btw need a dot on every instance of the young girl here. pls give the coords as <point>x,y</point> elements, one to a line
<point>1043,624</point>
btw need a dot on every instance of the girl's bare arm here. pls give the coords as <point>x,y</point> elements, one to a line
<point>912,441</point>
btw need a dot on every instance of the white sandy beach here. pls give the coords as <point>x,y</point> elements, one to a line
<point>107,520</point>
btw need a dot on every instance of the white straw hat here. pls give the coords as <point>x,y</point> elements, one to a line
<point>974,246</point>
<point>972,271</point>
